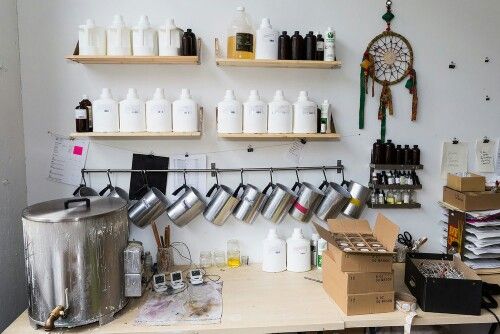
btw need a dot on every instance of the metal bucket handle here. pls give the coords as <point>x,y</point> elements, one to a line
<point>75,200</point>
<point>240,186</point>
<point>271,184</point>
<point>325,182</point>
<point>109,186</point>
<point>297,184</point>
<point>183,187</point>
<point>83,183</point>
<point>216,185</point>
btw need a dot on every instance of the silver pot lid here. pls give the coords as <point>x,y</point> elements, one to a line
<point>54,211</point>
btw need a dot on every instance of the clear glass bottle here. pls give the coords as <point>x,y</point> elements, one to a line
<point>406,197</point>
<point>240,37</point>
<point>233,254</point>
<point>381,197</point>
<point>389,197</point>
<point>219,258</point>
<point>398,197</point>
<point>374,197</point>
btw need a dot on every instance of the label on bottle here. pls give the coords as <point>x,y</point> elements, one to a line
<point>308,110</point>
<point>91,117</point>
<point>244,42</point>
<point>158,110</point>
<point>320,46</point>
<point>80,113</point>
<point>185,110</point>
<point>280,110</point>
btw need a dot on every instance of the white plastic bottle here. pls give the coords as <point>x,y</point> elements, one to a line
<point>144,38</point>
<point>314,249</point>
<point>267,41</point>
<point>91,39</point>
<point>254,114</point>
<point>158,113</point>
<point>329,45</point>
<point>119,41</point>
<point>325,116</point>
<point>322,246</point>
<point>305,117</point>
<point>280,118</point>
<point>298,252</point>
<point>132,113</point>
<point>105,113</point>
<point>229,114</point>
<point>274,253</point>
<point>185,113</point>
<point>169,39</point>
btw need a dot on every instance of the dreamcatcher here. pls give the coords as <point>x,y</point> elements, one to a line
<point>388,60</point>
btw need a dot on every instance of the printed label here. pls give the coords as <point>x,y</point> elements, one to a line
<point>281,110</point>
<point>244,42</point>
<point>308,111</point>
<point>256,110</point>
<point>320,46</point>
<point>159,111</point>
<point>80,113</point>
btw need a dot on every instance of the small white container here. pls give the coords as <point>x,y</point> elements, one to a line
<point>329,45</point>
<point>322,246</point>
<point>305,116</point>
<point>280,115</point>
<point>132,113</point>
<point>254,114</point>
<point>229,114</point>
<point>170,39</point>
<point>274,253</point>
<point>119,41</point>
<point>267,41</point>
<point>298,252</point>
<point>105,113</point>
<point>158,113</point>
<point>91,39</point>
<point>185,113</point>
<point>144,38</point>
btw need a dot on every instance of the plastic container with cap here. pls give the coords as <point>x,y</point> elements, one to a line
<point>158,113</point>
<point>280,118</point>
<point>329,45</point>
<point>119,41</point>
<point>254,114</point>
<point>266,44</point>
<point>305,118</point>
<point>298,252</point>
<point>229,114</point>
<point>105,113</point>
<point>169,39</point>
<point>240,38</point>
<point>132,113</point>
<point>91,39</point>
<point>144,38</point>
<point>273,253</point>
<point>185,113</point>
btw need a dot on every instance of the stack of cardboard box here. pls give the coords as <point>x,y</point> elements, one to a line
<point>468,193</point>
<point>357,266</point>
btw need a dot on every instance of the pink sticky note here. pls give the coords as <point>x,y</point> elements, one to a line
<point>77,150</point>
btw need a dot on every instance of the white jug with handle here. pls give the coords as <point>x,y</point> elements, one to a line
<point>170,39</point>
<point>118,38</point>
<point>91,39</point>
<point>144,39</point>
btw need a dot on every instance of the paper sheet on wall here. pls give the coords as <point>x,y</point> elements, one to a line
<point>197,180</point>
<point>485,156</point>
<point>294,151</point>
<point>68,159</point>
<point>454,159</point>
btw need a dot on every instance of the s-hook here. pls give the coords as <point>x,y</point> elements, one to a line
<point>241,175</point>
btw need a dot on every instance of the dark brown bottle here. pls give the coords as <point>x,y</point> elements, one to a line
<point>310,46</point>
<point>379,152</point>
<point>407,153</point>
<point>193,42</point>
<point>400,159</point>
<point>85,102</point>
<point>81,119</point>
<point>284,47</point>
<point>390,152</point>
<point>416,155</point>
<point>320,47</point>
<point>187,43</point>
<point>297,46</point>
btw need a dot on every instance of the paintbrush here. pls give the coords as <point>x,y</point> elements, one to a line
<point>167,235</point>
<point>156,234</point>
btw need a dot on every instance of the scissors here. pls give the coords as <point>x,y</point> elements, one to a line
<point>406,239</point>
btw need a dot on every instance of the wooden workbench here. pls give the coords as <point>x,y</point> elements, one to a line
<point>258,302</point>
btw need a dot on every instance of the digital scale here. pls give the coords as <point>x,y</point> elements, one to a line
<point>196,277</point>
<point>176,280</point>
<point>160,283</point>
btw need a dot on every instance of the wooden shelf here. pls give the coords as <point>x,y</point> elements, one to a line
<point>395,206</point>
<point>396,167</point>
<point>280,136</point>
<point>318,64</point>
<point>135,135</point>
<point>175,60</point>
<point>396,186</point>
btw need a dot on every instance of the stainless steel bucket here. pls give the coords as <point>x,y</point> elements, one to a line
<point>336,198</point>
<point>308,198</point>
<point>74,260</point>
<point>146,210</point>
<point>278,203</point>
<point>359,196</point>
<point>189,205</point>
<point>251,202</point>
<point>221,204</point>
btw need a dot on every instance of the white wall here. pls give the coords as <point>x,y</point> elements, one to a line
<point>12,169</point>
<point>452,103</point>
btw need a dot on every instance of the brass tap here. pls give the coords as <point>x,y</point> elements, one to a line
<point>54,315</point>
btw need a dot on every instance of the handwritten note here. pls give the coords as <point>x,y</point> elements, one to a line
<point>485,156</point>
<point>197,180</point>
<point>68,159</point>
<point>295,151</point>
<point>454,159</point>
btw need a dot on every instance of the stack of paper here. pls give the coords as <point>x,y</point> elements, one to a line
<point>482,240</point>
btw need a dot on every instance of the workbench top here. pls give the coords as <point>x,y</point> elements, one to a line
<point>258,302</point>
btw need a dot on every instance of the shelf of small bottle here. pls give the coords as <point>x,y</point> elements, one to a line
<point>135,135</point>
<point>396,167</point>
<point>280,136</point>
<point>179,60</point>
<point>396,186</point>
<point>395,206</point>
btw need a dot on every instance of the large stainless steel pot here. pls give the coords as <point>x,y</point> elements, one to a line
<point>336,198</point>
<point>278,203</point>
<point>74,260</point>
<point>308,198</point>
<point>251,202</point>
<point>359,196</point>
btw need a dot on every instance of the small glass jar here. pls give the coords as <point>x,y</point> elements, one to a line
<point>233,254</point>
<point>219,258</point>
<point>205,259</point>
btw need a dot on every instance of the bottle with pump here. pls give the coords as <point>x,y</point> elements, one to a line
<point>81,118</point>
<point>85,102</point>
<point>297,43</point>
<point>229,114</point>
<point>240,38</point>
<point>91,39</point>
<point>119,42</point>
<point>274,253</point>
<point>158,113</point>
<point>304,115</point>
<point>254,114</point>
<point>188,43</point>
<point>185,113</point>
<point>320,47</point>
<point>266,44</point>
<point>132,113</point>
<point>280,114</point>
<point>144,38</point>
<point>169,39</point>
<point>310,46</point>
<point>298,252</point>
<point>105,113</point>
<point>329,46</point>
<point>284,47</point>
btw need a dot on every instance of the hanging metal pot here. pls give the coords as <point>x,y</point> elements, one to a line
<point>221,204</point>
<point>359,197</point>
<point>336,198</point>
<point>250,204</point>
<point>189,205</point>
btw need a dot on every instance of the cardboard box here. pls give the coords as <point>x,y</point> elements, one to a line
<point>471,182</point>
<point>472,201</point>
<point>355,283</point>
<point>385,233</point>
